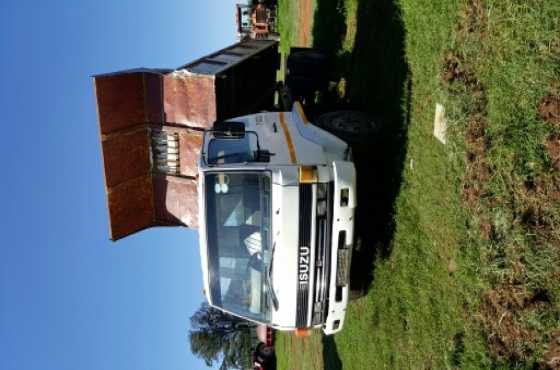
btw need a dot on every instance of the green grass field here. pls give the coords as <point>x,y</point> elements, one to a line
<point>462,253</point>
<point>287,23</point>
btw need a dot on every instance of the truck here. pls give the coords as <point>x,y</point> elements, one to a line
<point>208,146</point>
<point>257,20</point>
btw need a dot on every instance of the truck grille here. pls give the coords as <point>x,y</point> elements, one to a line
<point>305,212</point>
<point>322,251</point>
<point>322,259</point>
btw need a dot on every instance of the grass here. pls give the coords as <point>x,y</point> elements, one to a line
<point>299,353</point>
<point>461,258</point>
<point>287,24</point>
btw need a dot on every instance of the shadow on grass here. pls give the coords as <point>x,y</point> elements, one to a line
<point>377,80</point>
<point>331,360</point>
<point>329,26</point>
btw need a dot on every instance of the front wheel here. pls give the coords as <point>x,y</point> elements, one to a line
<point>264,353</point>
<point>350,126</point>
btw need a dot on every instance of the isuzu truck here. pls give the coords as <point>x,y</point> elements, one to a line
<point>272,194</point>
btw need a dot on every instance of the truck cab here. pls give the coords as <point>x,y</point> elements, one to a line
<point>276,199</point>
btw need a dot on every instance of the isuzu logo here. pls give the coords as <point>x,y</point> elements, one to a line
<point>303,265</point>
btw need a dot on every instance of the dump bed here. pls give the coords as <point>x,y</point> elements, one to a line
<point>151,123</point>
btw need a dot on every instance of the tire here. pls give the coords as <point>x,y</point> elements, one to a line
<point>307,72</point>
<point>264,353</point>
<point>355,294</point>
<point>350,126</point>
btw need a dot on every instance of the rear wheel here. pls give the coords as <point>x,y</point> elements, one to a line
<point>307,72</point>
<point>355,294</point>
<point>309,63</point>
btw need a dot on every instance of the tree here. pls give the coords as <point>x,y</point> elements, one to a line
<point>216,336</point>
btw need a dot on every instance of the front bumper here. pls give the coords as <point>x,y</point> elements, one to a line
<point>344,205</point>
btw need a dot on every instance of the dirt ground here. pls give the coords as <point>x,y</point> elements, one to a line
<point>549,109</point>
<point>305,23</point>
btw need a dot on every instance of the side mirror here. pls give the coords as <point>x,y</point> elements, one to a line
<point>225,130</point>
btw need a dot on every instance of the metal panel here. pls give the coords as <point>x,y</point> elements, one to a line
<point>248,86</point>
<point>126,156</point>
<point>176,200</point>
<point>130,105</point>
<point>226,58</point>
<point>208,67</point>
<point>241,50</point>
<point>190,144</point>
<point>153,98</point>
<point>126,100</point>
<point>189,100</point>
<point>131,206</point>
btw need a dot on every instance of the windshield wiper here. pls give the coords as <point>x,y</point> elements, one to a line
<point>268,280</point>
<point>223,156</point>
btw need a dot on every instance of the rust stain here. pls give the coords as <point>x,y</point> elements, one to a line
<point>129,104</point>
<point>176,200</point>
<point>189,148</point>
<point>130,206</point>
<point>189,100</point>
<point>125,100</point>
<point>126,156</point>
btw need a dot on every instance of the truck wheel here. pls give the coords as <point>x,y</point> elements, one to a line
<point>350,126</point>
<point>264,352</point>
<point>307,72</point>
<point>355,294</point>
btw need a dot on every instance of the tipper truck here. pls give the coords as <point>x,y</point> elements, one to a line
<point>272,195</point>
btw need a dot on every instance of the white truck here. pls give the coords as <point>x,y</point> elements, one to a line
<point>276,218</point>
<point>272,194</point>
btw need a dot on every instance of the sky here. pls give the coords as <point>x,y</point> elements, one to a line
<point>69,297</point>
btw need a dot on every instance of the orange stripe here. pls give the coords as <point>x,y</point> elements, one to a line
<point>288,137</point>
<point>301,112</point>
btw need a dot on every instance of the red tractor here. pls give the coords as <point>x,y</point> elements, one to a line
<point>257,20</point>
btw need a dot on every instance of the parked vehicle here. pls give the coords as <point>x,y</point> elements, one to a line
<point>257,20</point>
<point>272,194</point>
<point>263,353</point>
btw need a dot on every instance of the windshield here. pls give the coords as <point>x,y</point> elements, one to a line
<point>231,150</point>
<point>239,248</point>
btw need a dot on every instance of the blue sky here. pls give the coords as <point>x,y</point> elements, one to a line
<point>70,298</point>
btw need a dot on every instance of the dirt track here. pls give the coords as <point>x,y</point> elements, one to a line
<point>305,23</point>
